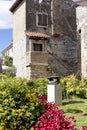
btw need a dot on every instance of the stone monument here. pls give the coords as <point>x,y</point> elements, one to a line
<point>54,91</point>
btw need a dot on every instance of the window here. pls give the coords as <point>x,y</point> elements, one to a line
<point>42,19</point>
<point>37,47</point>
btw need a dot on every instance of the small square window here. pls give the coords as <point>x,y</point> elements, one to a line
<point>42,19</point>
<point>37,47</point>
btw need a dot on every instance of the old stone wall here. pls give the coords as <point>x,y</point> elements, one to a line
<point>33,7</point>
<point>62,46</point>
<point>64,18</point>
<point>39,71</point>
<point>63,56</point>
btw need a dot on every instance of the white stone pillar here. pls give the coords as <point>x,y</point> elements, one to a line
<point>54,91</point>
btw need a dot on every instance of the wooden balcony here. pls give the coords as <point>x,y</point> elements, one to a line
<point>37,58</point>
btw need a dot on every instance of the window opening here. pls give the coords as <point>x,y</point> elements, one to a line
<point>42,19</point>
<point>37,47</point>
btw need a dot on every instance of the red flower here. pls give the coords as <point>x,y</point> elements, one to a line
<point>54,119</point>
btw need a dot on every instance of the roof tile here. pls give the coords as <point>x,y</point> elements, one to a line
<point>37,35</point>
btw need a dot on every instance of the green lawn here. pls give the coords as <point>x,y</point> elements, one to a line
<point>78,109</point>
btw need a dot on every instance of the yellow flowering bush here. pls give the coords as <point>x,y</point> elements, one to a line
<point>39,86</point>
<point>19,108</point>
<point>72,86</point>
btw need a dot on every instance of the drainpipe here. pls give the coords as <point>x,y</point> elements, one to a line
<point>52,17</point>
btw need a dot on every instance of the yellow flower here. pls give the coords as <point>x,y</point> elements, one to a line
<point>1,128</point>
<point>26,124</point>
<point>20,114</point>
<point>6,100</point>
<point>1,109</point>
<point>20,99</point>
<point>2,92</point>
<point>14,111</point>
<point>37,103</point>
<point>32,104</point>
<point>20,128</point>
<point>17,95</point>
<point>28,113</point>
<point>5,112</point>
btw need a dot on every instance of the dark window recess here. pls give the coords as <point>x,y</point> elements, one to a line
<point>37,47</point>
<point>79,31</point>
<point>42,19</point>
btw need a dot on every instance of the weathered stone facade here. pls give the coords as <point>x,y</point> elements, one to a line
<point>60,55</point>
<point>19,57</point>
<point>81,12</point>
<point>62,46</point>
<point>32,8</point>
<point>19,40</point>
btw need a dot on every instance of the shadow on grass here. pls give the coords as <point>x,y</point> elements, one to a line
<point>74,111</point>
<point>71,102</point>
<point>84,114</point>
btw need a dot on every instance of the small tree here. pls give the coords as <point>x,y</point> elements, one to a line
<point>8,61</point>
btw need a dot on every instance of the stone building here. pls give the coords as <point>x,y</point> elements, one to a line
<point>81,14</point>
<point>8,51</point>
<point>44,38</point>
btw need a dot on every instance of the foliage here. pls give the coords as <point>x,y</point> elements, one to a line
<point>8,61</point>
<point>3,77</point>
<point>9,73</point>
<point>73,87</point>
<point>39,86</point>
<point>83,88</point>
<point>53,119</point>
<point>23,106</point>
<point>19,108</point>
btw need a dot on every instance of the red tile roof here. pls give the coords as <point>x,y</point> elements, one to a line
<point>37,35</point>
<point>15,5</point>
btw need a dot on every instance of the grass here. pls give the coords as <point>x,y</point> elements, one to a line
<point>78,109</point>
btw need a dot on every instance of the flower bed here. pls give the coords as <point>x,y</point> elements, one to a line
<point>53,118</point>
<point>22,108</point>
